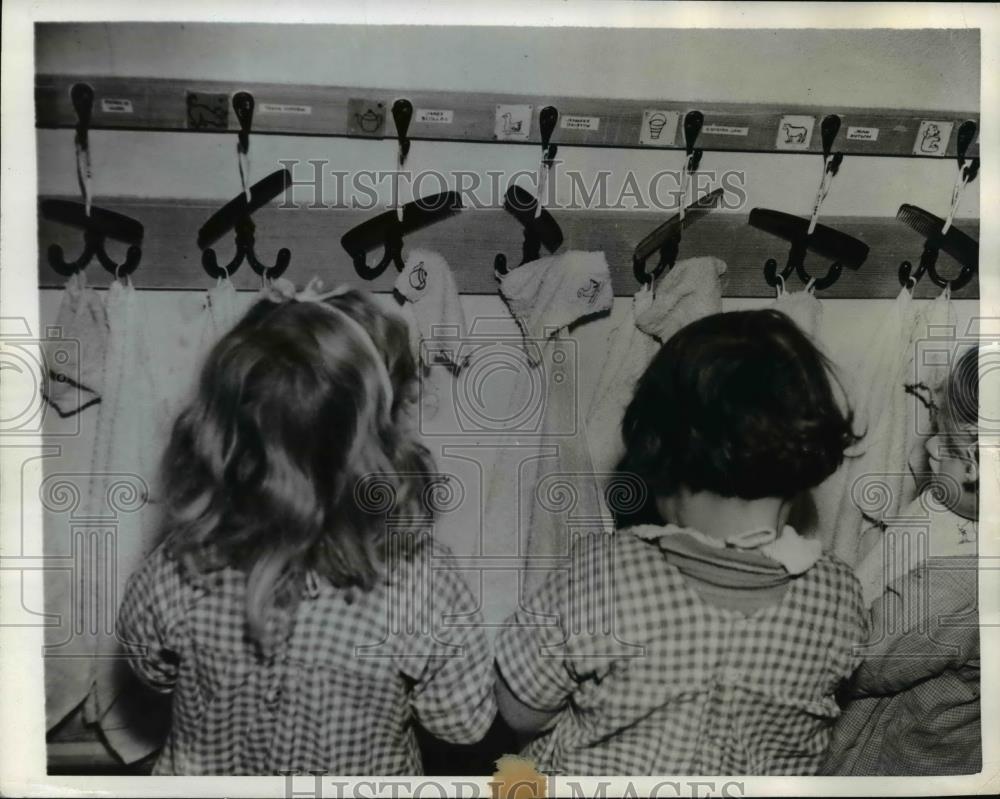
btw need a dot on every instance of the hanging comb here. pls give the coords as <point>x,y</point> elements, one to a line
<point>666,238</point>
<point>960,246</point>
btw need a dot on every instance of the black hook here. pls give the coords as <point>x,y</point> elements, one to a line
<point>966,133</point>
<point>693,122</point>
<point>243,105</point>
<point>82,97</point>
<point>402,113</point>
<point>547,119</point>
<point>99,224</point>
<point>236,215</point>
<point>829,128</point>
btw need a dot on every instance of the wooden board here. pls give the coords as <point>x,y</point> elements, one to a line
<point>126,103</point>
<point>469,241</point>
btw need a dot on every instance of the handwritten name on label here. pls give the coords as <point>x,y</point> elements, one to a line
<point>571,122</point>
<point>285,108</point>
<point>725,130</point>
<point>115,106</point>
<point>862,134</point>
<point>435,116</point>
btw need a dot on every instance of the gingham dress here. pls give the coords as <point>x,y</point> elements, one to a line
<point>653,680</point>
<point>339,696</point>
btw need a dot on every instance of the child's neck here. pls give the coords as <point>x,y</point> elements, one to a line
<point>722,517</point>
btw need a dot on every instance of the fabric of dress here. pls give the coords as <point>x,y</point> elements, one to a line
<point>131,433</point>
<point>343,684</point>
<point>542,489</point>
<point>873,482</point>
<point>646,677</point>
<point>690,290</point>
<point>74,353</point>
<point>914,703</point>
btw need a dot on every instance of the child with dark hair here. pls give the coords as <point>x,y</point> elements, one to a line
<point>296,628</point>
<point>708,637</point>
<point>914,702</point>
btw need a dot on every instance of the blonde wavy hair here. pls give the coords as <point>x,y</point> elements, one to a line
<point>292,413</point>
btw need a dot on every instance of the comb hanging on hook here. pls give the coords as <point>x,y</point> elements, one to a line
<point>97,224</point>
<point>236,215</point>
<point>940,234</point>
<point>666,238</point>
<point>807,235</point>
<point>540,228</point>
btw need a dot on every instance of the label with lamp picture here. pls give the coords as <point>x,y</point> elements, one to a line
<point>659,128</point>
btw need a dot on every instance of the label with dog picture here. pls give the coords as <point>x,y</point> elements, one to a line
<point>932,138</point>
<point>795,132</point>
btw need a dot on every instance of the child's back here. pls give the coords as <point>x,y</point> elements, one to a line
<point>293,608</point>
<point>339,691</point>
<point>676,683</point>
<point>706,636</point>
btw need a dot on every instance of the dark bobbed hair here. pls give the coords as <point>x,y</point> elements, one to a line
<point>262,470</point>
<point>741,404</point>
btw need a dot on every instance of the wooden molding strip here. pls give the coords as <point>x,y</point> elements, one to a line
<point>469,241</point>
<point>300,110</point>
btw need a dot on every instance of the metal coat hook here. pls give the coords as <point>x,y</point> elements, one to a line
<point>693,123</point>
<point>236,216</point>
<point>402,114</point>
<point>243,105</point>
<point>98,224</point>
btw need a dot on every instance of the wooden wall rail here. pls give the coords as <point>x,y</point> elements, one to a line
<point>470,239</point>
<point>300,110</point>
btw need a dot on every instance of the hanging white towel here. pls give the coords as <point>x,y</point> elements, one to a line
<point>439,338</point>
<point>542,488</point>
<point>427,285</point>
<point>872,483</point>
<point>690,290</point>
<point>74,351</point>
<point>804,308</point>
<point>131,434</point>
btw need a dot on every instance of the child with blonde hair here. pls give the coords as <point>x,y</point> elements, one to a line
<point>293,609</point>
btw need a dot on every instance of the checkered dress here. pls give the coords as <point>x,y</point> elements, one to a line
<point>653,680</point>
<point>339,695</point>
<point>915,707</point>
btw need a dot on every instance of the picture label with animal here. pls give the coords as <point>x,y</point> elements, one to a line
<point>512,122</point>
<point>725,130</point>
<point>795,132</point>
<point>862,134</point>
<point>285,108</point>
<point>659,127</point>
<point>932,138</point>
<point>116,106</point>
<point>435,116</point>
<point>576,122</point>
